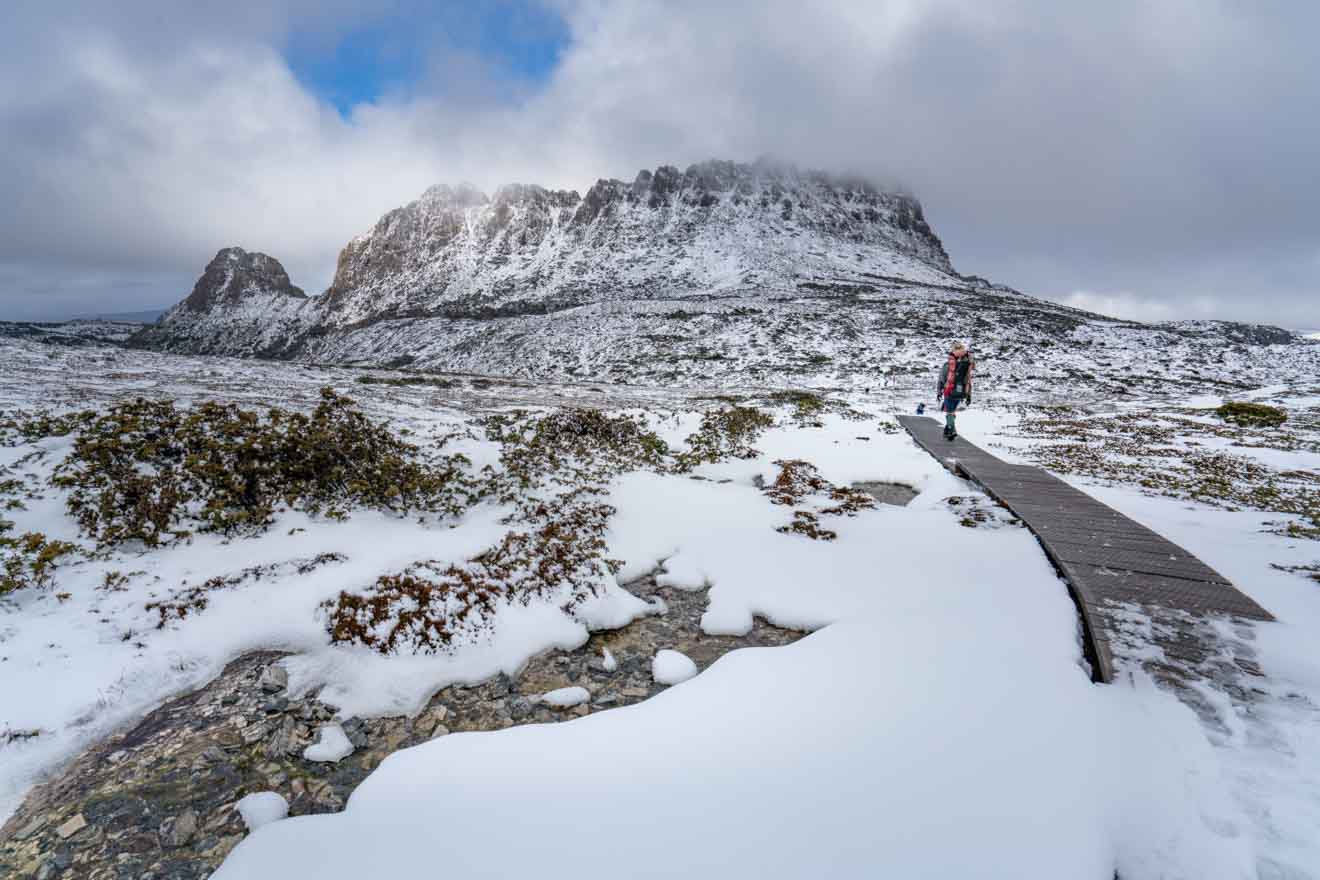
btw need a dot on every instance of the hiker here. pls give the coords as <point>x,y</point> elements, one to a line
<point>955,386</point>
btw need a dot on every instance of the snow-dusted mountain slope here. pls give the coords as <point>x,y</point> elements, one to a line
<point>80,331</point>
<point>244,304</point>
<point>717,226</point>
<point>723,274</point>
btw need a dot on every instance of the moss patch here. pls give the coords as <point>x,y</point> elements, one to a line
<point>1166,453</point>
<point>1252,415</point>
<point>148,471</point>
<point>29,560</point>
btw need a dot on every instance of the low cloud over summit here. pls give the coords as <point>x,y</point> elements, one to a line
<point>1155,158</point>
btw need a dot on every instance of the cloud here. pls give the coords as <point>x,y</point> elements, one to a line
<point>1160,150</point>
<point>1132,308</point>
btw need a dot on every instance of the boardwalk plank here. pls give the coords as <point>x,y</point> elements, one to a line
<point>1108,559</point>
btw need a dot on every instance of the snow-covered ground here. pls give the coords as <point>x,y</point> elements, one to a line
<point>939,722</point>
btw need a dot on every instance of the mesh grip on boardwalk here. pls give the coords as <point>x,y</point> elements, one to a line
<point>1106,558</point>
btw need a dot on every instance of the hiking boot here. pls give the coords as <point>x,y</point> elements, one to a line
<point>948,433</point>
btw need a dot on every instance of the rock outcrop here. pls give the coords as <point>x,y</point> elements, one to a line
<point>162,798</point>
<point>244,304</point>
<point>724,274</point>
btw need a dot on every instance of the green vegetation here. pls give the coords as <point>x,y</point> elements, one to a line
<point>23,427</point>
<point>724,433</point>
<point>423,609</point>
<point>1307,571</point>
<point>28,560</point>
<point>577,447</point>
<point>194,599</point>
<point>1252,415</point>
<point>807,407</point>
<point>556,470</point>
<point>1161,453</point>
<point>431,381</point>
<point>799,482</point>
<point>147,471</point>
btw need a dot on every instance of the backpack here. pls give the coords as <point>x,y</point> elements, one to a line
<point>961,368</point>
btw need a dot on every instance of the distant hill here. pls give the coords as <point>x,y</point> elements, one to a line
<point>149,316</point>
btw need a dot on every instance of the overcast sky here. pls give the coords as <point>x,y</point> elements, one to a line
<point>1148,159</point>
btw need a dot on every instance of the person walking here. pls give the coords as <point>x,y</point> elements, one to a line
<point>955,386</point>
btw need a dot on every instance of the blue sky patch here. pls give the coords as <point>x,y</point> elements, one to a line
<point>515,41</point>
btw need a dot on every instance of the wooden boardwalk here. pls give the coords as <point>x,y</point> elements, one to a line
<point>1108,560</point>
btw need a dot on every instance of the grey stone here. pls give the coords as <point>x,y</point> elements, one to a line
<point>519,708</point>
<point>284,740</point>
<point>71,827</point>
<point>138,842</point>
<point>357,732</point>
<point>274,679</point>
<point>255,732</point>
<point>31,828</point>
<point>176,831</point>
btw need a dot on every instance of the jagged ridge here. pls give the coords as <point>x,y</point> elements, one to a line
<point>721,274</point>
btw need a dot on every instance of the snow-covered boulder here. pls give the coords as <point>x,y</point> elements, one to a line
<point>565,697</point>
<point>332,746</point>
<point>672,667</point>
<point>262,808</point>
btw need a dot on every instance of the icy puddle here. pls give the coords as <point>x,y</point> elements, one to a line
<point>161,799</point>
<point>896,494</point>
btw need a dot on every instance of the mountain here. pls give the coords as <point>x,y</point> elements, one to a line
<point>243,305</point>
<point>72,333</point>
<point>723,274</point>
<point>146,316</point>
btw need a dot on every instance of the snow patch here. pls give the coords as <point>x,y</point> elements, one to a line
<point>565,697</point>
<point>332,746</point>
<point>672,667</point>
<point>262,808</point>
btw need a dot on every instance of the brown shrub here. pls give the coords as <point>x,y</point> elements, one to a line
<point>145,470</point>
<point>29,560</point>
<point>424,608</point>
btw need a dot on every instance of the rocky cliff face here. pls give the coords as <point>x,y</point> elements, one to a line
<point>458,253</point>
<point>717,226</point>
<point>244,304</point>
<point>723,274</point>
<point>236,275</point>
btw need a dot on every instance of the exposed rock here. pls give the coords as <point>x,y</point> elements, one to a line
<point>274,678</point>
<point>235,274</point>
<point>31,828</point>
<point>71,827</point>
<point>285,740</point>
<point>722,274</point>
<point>178,830</point>
<point>168,806</point>
<point>357,732</point>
